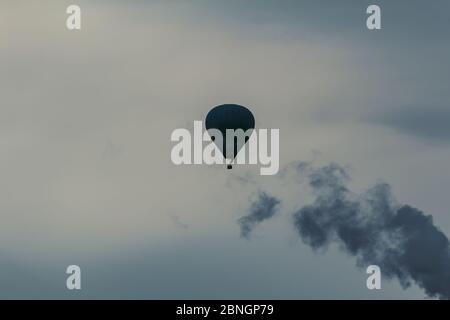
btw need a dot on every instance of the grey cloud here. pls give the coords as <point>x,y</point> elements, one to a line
<point>330,17</point>
<point>262,209</point>
<point>374,229</point>
<point>427,123</point>
<point>402,240</point>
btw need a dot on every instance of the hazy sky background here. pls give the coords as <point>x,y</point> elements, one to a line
<point>86,118</point>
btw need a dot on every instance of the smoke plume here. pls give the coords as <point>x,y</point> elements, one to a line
<point>373,228</point>
<point>262,209</point>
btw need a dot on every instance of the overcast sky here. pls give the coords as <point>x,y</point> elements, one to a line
<point>86,118</point>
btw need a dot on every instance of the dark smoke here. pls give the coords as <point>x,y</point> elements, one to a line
<point>400,239</point>
<point>262,209</point>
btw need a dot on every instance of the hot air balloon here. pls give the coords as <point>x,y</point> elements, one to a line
<point>230,116</point>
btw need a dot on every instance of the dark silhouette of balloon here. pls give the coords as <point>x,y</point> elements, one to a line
<point>230,116</point>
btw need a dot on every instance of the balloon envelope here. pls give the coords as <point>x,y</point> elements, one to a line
<point>230,116</point>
